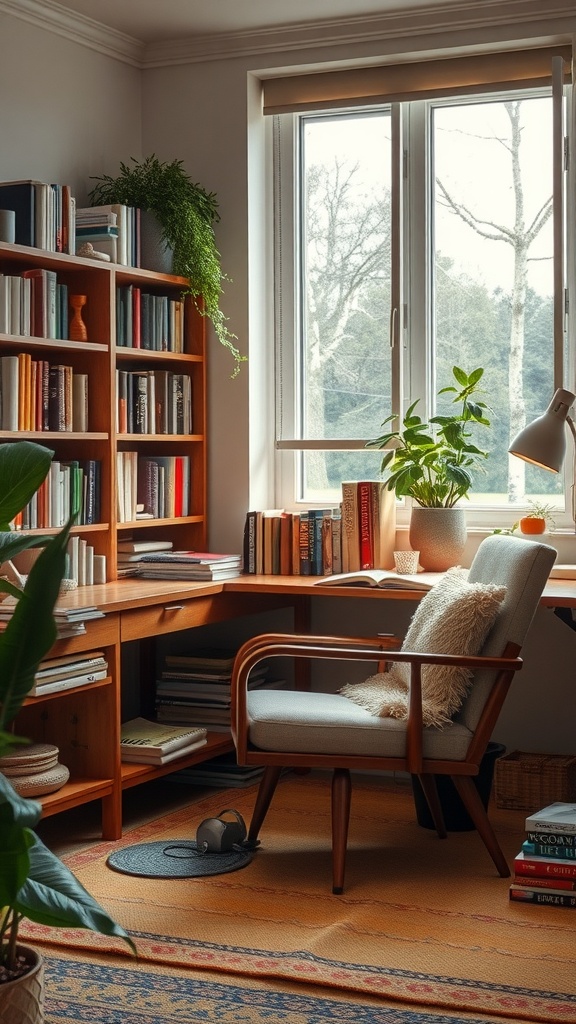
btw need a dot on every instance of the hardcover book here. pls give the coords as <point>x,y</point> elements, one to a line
<point>556,817</point>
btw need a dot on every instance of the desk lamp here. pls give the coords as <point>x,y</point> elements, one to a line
<point>543,443</point>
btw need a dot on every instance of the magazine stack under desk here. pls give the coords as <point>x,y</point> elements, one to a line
<point>195,689</point>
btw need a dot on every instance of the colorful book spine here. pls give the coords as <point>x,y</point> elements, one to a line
<point>544,867</point>
<point>565,840</point>
<point>549,898</point>
<point>545,850</point>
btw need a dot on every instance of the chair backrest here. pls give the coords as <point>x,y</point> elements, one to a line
<point>523,567</point>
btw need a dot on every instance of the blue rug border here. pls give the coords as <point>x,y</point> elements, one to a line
<point>278,1004</point>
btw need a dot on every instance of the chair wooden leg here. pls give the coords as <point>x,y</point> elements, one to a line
<point>430,789</point>
<point>264,796</point>
<point>473,803</point>
<point>341,794</point>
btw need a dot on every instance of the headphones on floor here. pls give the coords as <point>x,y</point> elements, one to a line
<point>215,835</point>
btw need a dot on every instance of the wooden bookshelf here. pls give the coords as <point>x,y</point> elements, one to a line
<point>84,722</point>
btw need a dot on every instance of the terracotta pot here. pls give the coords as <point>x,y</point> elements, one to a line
<point>439,534</point>
<point>532,524</point>
<point>22,1000</point>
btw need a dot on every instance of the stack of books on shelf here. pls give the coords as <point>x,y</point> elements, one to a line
<point>131,552</point>
<point>545,868</point>
<point>145,742</point>
<point>39,395</point>
<point>201,566</point>
<point>111,229</point>
<point>358,534</point>
<point>69,621</point>
<point>45,214</point>
<point>196,688</point>
<point>68,671</point>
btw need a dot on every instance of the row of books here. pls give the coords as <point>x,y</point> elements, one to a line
<point>45,214</point>
<point>160,484</point>
<point>358,534</point>
<point>149,321</point>
<point>34,304</point>
<point>113,229</point>
<point>38,395</point>
<point>195,688</point>
<point>545,867</point>
<point>153,402</point>
<point>74,485</point>
<point>146,742</point>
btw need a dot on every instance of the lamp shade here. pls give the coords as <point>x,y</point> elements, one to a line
<point>543,442</point>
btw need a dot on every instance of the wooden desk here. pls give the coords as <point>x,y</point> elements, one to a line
<point>85,722</point>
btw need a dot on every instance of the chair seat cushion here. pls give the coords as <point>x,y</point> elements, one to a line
<point>328,723</point>
<point>455,617</point>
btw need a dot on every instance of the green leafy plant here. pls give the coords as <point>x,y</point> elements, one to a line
<point>186,213</point>
<point>34,883</point>
<point>433,462</point>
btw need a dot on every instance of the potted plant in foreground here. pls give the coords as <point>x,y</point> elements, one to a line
<point>186,213</point>
<point>34,883</point>
<point>432,463</point>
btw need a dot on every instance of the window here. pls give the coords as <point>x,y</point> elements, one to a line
<point>421,236</point>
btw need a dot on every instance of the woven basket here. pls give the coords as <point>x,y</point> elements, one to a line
<point>528,782</point>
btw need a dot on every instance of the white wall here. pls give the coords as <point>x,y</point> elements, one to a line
<point>69,112</point>
<point>66,111</point>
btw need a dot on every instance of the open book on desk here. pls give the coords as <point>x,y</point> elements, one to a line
<point>386,579</point>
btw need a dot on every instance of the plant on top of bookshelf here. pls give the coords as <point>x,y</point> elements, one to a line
<point>186,213</point>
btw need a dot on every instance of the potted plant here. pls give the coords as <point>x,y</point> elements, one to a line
<point>34,883</point>
<point>539,516</point>
<point>186,213</point>
<point>432,463</point>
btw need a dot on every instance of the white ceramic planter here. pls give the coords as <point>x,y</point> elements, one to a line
<point>22,1000</point>
<point>439,534</point>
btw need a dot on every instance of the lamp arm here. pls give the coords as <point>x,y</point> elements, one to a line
<point>570,423</point>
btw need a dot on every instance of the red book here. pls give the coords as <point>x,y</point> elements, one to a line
<point>365,520</point>
<point>178,485</point>
<point>544,867</point>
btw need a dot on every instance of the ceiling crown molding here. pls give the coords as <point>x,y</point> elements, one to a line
<point>467,15</point>
<point>464,16</point>
<point>53,17</point>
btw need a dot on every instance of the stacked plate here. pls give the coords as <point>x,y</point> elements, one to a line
<point>34,770</point>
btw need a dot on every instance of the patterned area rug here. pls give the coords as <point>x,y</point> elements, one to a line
<point>85,991</point>
<point>421,921</point>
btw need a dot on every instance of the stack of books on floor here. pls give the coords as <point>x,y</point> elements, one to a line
<point>68,671</point>
<point>196,688</point>
<point>189,565</point>
<point>545,868</point>
<point>145,742</point>
<point>222,772</point>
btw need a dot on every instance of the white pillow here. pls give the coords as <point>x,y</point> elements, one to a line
<point>454,617</point>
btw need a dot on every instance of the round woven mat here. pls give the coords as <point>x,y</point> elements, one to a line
<point>175,859</point>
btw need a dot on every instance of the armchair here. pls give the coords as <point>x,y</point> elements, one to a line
<point>280,729</point>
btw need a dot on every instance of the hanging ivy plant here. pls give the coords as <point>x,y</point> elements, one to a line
<point>186,213</point>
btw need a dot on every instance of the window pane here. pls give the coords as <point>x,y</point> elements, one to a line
<point>345,291</point>
<point>493,274</point>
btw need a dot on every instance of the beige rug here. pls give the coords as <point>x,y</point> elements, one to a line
<point>421,921</point>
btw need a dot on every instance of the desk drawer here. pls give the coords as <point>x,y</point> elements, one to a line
<point>167,617</point>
